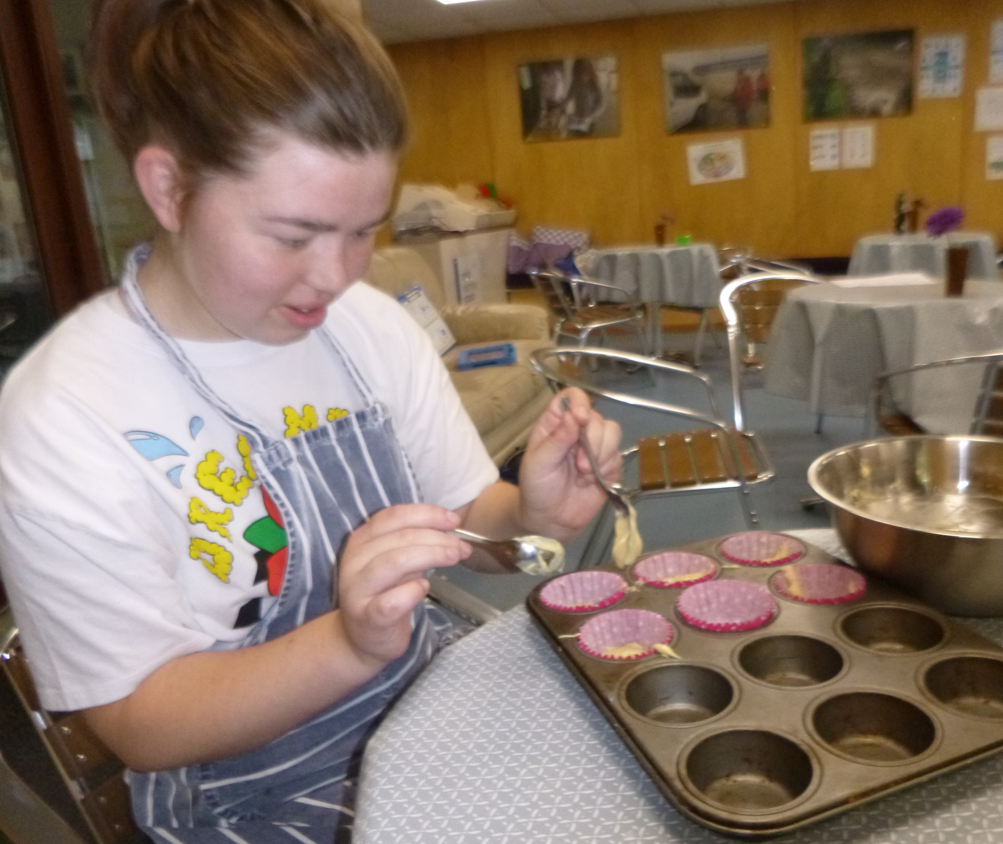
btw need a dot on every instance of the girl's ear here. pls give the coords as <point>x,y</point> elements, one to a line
<point>159,178</point>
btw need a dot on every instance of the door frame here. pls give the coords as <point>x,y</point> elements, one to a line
<point>41,129</point>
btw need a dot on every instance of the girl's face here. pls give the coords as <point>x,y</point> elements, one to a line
<point>260,257</point>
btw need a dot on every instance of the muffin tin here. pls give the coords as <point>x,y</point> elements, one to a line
<point>830,702</point>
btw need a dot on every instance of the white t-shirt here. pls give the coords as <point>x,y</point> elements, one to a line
<point>131,531</point>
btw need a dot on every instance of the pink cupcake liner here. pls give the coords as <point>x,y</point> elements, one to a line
<point>819,583</point>
<point>583,591</point>
<point>758,548</point>
<point>673,569</point>
<point>727,605</point>
<point>623,635</point>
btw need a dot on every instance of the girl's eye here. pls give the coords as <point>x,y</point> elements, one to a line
<point>292,243</point>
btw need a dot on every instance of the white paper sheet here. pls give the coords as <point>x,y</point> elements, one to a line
<point>996,53</point>
<point>941,67</point>
<point>858,147</point>
<point>824,149</point>
<point>989,109</point>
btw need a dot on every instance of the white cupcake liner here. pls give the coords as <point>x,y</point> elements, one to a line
<point>623,635</point>
<point>674,569</point>
<point>583,591</point>
<point>727,605</point>
<point>819,583</point>
<point>760,548</point>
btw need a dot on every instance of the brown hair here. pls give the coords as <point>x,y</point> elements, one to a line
<point>208,79</point>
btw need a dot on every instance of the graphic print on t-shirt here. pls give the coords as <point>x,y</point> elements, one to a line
<point>224,488</point>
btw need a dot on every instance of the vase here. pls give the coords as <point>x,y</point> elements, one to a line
<point>957,270</point>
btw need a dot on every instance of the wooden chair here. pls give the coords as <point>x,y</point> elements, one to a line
<point>888,407</point>
<point>693,448</point>
<point>90,772</point>
<point>580,306</point>
<point>749,304</point>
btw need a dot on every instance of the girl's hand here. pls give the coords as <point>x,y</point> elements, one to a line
<point>380,575</point>
<point>559,491</point>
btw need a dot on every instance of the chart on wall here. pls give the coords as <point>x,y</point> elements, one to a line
<point>867,74</point>
<point>721,88</point>
<point>570,98</point>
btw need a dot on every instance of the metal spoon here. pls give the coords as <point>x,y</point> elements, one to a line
<point>530,554</point>
<point>620,503</point>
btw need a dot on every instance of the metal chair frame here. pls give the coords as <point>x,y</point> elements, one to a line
<point>713,456</point>
<point>579,314</point>
<point>987,415</point>
<point>90,772</point>
<point>740,330</point>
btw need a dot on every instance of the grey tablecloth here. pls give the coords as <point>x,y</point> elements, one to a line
<point>496,742</point>
<point>687,276</point>
<point>829,343</point>
<point>897,253</point>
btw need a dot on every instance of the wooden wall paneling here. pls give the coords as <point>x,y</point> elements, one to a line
<point>756,211</point>
<point>588,184</point>
<point>981,198</point>
<point>450,114</point>
<point>919,154</point>
<point>464,96</point>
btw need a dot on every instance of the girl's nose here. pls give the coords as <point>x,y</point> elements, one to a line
<point>330,271</point>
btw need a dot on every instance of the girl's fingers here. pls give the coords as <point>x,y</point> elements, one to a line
<point>391,607</point>
<point>400,557</point>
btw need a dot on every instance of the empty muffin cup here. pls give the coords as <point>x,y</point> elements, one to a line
<point>969,685</point>
<point>583,591</point>
<point>892,630</point>
<point>749,771</point>
<point>819,583</point>
<point>759,548</point>
<point>625,634</point>
<point>791,661</point>
<point>874,728</point>
<point>679,694</point>
<point>675,568</point>
<point>727,605</point>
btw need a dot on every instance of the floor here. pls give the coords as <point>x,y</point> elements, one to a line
<point>785,426</point>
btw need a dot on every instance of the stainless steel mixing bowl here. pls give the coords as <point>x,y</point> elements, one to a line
<point>924,513</point>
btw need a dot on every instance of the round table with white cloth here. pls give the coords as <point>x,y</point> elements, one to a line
<point>902,253</point>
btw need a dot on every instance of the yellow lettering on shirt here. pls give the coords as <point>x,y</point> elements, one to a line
<point>244,447</point>
<point>223,483</point>
<point>213,556</point>
<point>297,423</point>
<point>335,413</point>
<point>198,513</point>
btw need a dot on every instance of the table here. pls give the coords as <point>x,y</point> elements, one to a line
<point>917,252</point>
<point>496,742</point>
<point>829,342</point>
<point>682,276</point>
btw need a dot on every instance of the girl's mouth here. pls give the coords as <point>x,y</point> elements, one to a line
<point>306,317</point>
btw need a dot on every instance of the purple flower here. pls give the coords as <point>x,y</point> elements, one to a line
<point>943,221</point>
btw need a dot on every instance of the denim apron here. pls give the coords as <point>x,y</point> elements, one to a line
<point>325,483</point>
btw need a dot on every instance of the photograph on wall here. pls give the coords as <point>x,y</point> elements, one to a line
<point>725,88</point>
<point>720,161</point>
<point>570,98</point>
<point>867,74</point>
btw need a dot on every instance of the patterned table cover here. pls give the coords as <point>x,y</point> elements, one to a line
<point>899,253</point>
<point>496,743</point>
<point>683,276</point>
<point>829,343</point>
<point>686,276</point>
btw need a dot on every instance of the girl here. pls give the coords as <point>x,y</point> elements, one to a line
<point>221,482</point>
